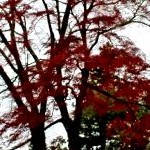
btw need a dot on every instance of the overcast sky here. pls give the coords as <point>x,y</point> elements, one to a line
<point>140,35</point>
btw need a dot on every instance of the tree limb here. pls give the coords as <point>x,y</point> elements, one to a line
<point>28,140</point>
<point>125,101</point>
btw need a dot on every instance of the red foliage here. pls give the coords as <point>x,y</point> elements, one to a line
<point>112,82</point>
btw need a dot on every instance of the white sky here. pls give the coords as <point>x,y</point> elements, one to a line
<point>140,35</point>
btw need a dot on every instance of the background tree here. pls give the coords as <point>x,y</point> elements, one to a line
<point>58,144</point>
<point>55,54</point>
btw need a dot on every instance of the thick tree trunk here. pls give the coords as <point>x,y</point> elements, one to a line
<point>74,142</point>
<point>38,138</point>
<point>73,134</point>
<point>73,130</point>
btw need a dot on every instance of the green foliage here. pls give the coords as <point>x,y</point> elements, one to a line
<point>58,144</point>
<point>92,125</point>
<point>142,112</point>
<point>89,131</point>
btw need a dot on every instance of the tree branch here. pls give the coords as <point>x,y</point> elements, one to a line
<point>28,140</point>
<point>8,61</point>
<point>11,87</point>
<point>49,24</point>
<point>26,40</point>
<point>58,14</point>
<point>114,97</point>
<point>65,21</point>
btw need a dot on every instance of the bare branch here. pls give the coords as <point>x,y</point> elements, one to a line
<point>26,40</point>
<point>11,87</point>
<point>58,14</point>
<point>49,24</point>
<point>65,21</point>
<point>8,61</point>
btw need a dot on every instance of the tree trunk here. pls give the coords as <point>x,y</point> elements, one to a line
<point>103,134</point>
<point>74,142</point>
<point>38,138</point>
<point>73,134</point>
<point>73,130</point>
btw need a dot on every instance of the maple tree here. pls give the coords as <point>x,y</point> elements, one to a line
<point>66,58</point>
